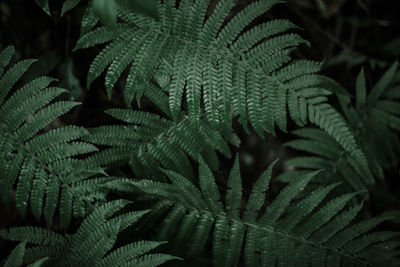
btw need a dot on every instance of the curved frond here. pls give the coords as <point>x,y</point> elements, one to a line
<point>293,228</point>
<point>220,68</point>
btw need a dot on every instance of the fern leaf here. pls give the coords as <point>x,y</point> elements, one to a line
<point>374,124</point>
<point>234,192</point>
<point>89,19</point>
<point>313,231</point>
<point>257,196</point>
<point>151,260</point>
<point>12,75</point>
<point>42,118</point>
<point>98,36</point>
<point>361,90</point>
<point>304,207</point>
<point>245,68</point>
<point>129,252</point>
<point>28,90</point>
<point>24,185</point>
<point>150,139</point>
<point>382,84</point>
<point>5,58</point>
<point>282,201</point>
<point>16,256</point>
<point>66,202</point>
<point>33,235</point>
<point>93,243</point>
<point>247,15</point>
<point>38,166</point>
<point>208,187</point>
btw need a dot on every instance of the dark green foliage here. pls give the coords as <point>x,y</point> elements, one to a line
<point>106,10</point>
<point>292,230</point>
<point>39,167</point>
<point>373,118</point>
<point>199,70</point>
<point>93,244</point>
<point>376,117</point>
<point>150,141</point>
<point>218,70</point>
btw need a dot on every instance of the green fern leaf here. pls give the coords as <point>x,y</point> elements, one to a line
<point>41,167</point>
<point>150,140</point>
<point>229,65</point>
<point>373,118</point>
<point>93,244</point>
<point>292,229</point>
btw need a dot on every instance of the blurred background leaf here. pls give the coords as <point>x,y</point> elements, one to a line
<point>106,10</point>
<point>393,47</point>
<point>67,6</point>
<point>68,79</point>
<point>46,63</point>
<point>146,7</point>
<point>44,4</point>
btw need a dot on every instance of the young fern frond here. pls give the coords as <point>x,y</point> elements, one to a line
<point>93,244</point>
<point>40,168</point>
<point>374,119</point>
<point>219,68</point>
<point>149,141</point>
<point>310,230</point>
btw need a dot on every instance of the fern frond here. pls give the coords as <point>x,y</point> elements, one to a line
<point>373,119</point>
<point>292,229</point>
<point>40,167</point>
<point>230,65</point>
<point>326,154</point>
<point>149,141</point>
<point>34,235</point>
<point>93,244</point>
